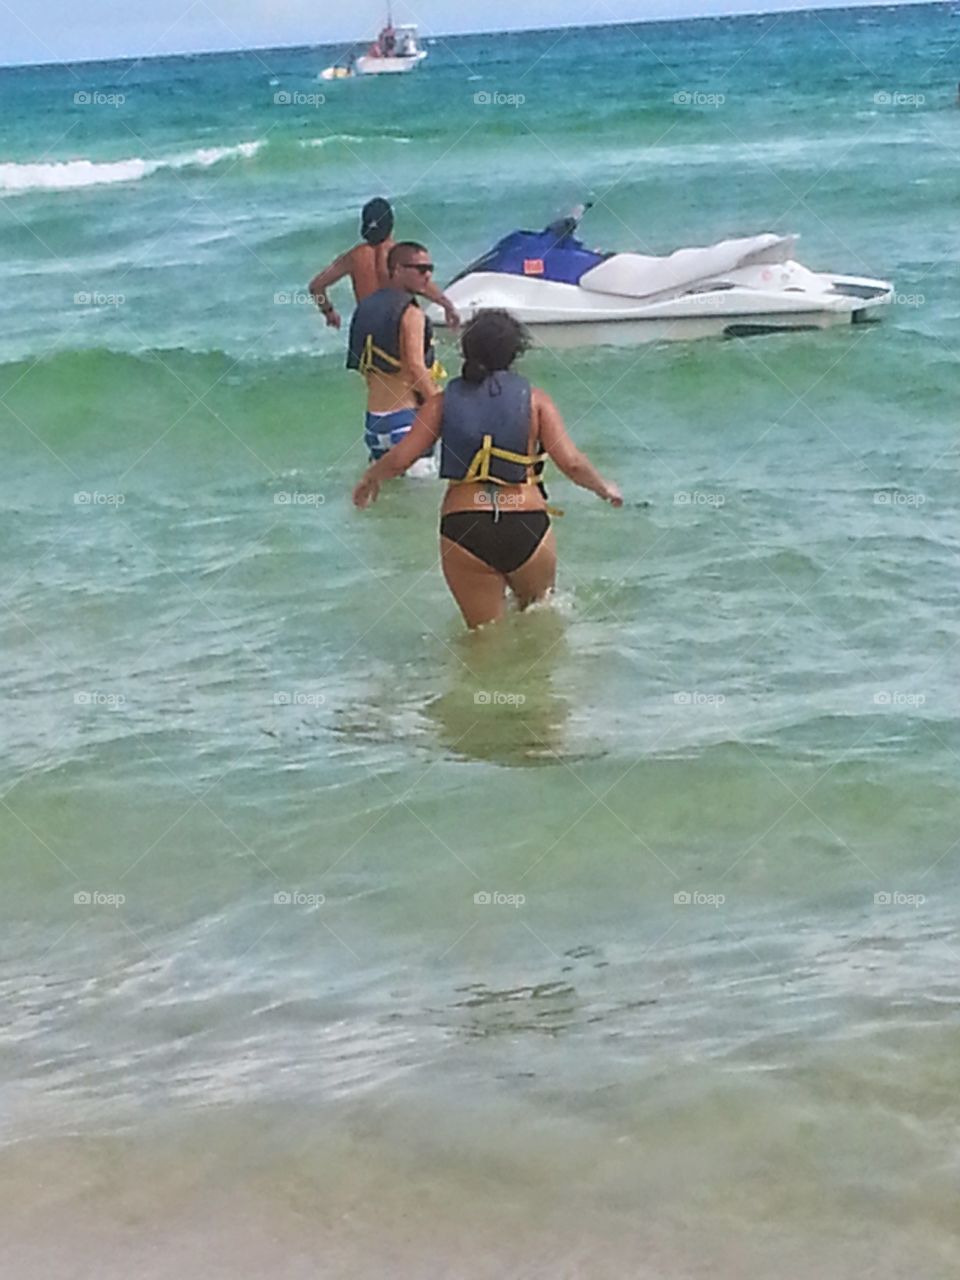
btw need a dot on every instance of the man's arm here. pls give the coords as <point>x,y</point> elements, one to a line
<point>412,329</point>
<point>321,282</point>
<point>433,293</point>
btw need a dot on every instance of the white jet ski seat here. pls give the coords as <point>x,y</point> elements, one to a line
<point>637,275</point>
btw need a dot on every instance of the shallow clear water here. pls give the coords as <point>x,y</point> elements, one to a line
<point>707,1023</point>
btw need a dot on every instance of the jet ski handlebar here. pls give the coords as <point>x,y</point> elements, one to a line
<point>567,225</point>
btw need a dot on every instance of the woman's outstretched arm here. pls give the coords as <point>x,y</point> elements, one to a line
<point>575,465</point>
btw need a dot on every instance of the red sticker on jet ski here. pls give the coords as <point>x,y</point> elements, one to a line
<point>533,266</point>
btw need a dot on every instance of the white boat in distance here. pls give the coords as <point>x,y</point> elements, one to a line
<point>395,51</point>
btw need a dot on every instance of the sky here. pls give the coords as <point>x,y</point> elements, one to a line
<point>65,30</point>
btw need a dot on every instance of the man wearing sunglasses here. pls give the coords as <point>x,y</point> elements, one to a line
<point>366,265</point>
<point>391,345</point>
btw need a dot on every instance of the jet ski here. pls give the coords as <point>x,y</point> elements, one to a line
<point>570,295</point>
<point>338,71</point>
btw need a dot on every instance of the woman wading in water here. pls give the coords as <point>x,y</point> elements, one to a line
<point>496,433</point>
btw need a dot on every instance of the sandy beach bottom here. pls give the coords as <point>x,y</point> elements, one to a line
<point>405,1192</point>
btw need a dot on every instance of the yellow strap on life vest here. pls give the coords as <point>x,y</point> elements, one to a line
<point>370,351</point>
<point>437,372</point>
<point>479,468</point>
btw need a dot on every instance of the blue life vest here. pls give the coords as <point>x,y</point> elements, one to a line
<point>485,429</point>
<point>375,333</point>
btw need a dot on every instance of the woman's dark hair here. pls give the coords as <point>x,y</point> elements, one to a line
<point>490,343</point>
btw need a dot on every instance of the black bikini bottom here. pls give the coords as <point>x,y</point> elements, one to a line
<point>504,543</point>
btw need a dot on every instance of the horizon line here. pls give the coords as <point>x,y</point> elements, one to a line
<point>459,35</point>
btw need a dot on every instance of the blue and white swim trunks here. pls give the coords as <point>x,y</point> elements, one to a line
<point>384,430</point>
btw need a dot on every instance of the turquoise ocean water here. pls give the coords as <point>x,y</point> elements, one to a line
<point>255,1020</point>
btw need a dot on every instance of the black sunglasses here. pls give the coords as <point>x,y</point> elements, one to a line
<point>423,267</point>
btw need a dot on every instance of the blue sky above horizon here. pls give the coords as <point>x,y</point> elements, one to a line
<point>62,31</point>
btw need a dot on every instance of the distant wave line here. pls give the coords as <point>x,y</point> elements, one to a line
<point>67,175</point>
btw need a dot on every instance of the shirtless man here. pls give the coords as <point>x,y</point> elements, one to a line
<point>366,265</point>
<point>391,345</point>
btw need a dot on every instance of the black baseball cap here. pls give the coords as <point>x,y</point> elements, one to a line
<point>376,220</point>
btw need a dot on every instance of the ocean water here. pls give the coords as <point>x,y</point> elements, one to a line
<point>618,941</point>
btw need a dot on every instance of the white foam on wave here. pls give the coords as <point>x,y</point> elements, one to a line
<point>65,175</point>
<point>349,137</point>
<point>334,137</point>
<point>780,152</point>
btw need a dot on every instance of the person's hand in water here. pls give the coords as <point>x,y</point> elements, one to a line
<point>366,492</point>
<point>418,441</point>
<point>612,495</point>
